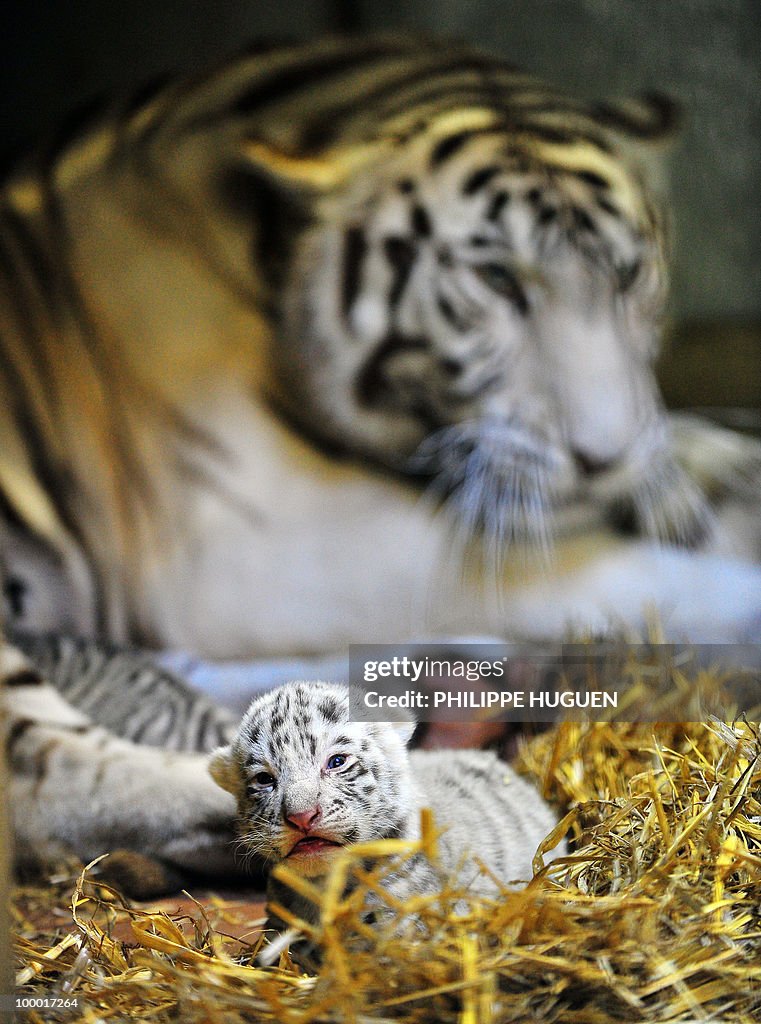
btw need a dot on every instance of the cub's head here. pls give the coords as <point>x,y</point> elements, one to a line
<point>308,781</point>
<point>479,301</point>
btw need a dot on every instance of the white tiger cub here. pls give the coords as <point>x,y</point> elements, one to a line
<point>309,781</point>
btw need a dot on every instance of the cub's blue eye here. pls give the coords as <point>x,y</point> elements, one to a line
<point>337,760</point>
<point>264,779</point>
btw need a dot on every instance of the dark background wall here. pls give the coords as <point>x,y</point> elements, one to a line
<point>55,54</point>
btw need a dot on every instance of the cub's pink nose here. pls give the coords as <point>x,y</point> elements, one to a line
<point>304,819</point>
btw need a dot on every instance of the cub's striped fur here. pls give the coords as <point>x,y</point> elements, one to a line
<point>246,319</point>
<point>308,781</point>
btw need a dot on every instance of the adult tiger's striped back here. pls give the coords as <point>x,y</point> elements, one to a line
<point>246,318</point>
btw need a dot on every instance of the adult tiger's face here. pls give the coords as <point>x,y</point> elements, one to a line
<point>492,322</point>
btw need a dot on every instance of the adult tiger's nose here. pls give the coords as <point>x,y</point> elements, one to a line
<point>303,819</point>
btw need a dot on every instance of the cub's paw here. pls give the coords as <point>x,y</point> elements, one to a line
<point>138,876</point>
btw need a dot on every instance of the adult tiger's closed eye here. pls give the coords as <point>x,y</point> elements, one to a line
<point>504,282</point>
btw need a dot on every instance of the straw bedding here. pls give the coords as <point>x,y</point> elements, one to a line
<point>654,916</point>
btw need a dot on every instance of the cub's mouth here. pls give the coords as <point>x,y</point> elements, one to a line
<point>312,845</point>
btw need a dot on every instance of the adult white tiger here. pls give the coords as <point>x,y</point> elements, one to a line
<point>244,318</point>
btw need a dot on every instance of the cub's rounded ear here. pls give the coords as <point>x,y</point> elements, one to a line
<point>401,728</point>
<point>224,770</point>
<point>404,730</point>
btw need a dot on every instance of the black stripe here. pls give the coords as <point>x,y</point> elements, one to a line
<point>276,216</point>
<point>372,385</point>
<point>607,206</point>
<point>17,732</point>
<point>394,830</point>
<point>422,225</point>
<point>202,727</point>
<point>595,180</point>
<point>496,205</point>
<point>549,103</point>
<point>355,250</point>
<point>26,292</point>
<point>449,101</point>
<point>55,477</point>
<point>447,147</point>
<point>479,178</point>
<point>660,118</point>
<point>547,214</point>
<point>305,75</point>
<point>44,273</point>
<point>489,84</point>
<point>41,759</point>
<point>137,732</point>
<point>581,219</point>
<point>322,129</point>
<point>330,710</point>
<point>545,133</point>
<point>24,677</point>
<point>400,253</point>
<point>454,319</point>
<point>15,591</point>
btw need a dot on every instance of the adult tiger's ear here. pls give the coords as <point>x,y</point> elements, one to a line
<point>640,134</point>
<point>651,117</point>
<point>646,129</point>
<point>223,769</point>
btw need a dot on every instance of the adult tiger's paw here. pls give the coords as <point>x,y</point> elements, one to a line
<point>723,463</point>
<point>704,497</point>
